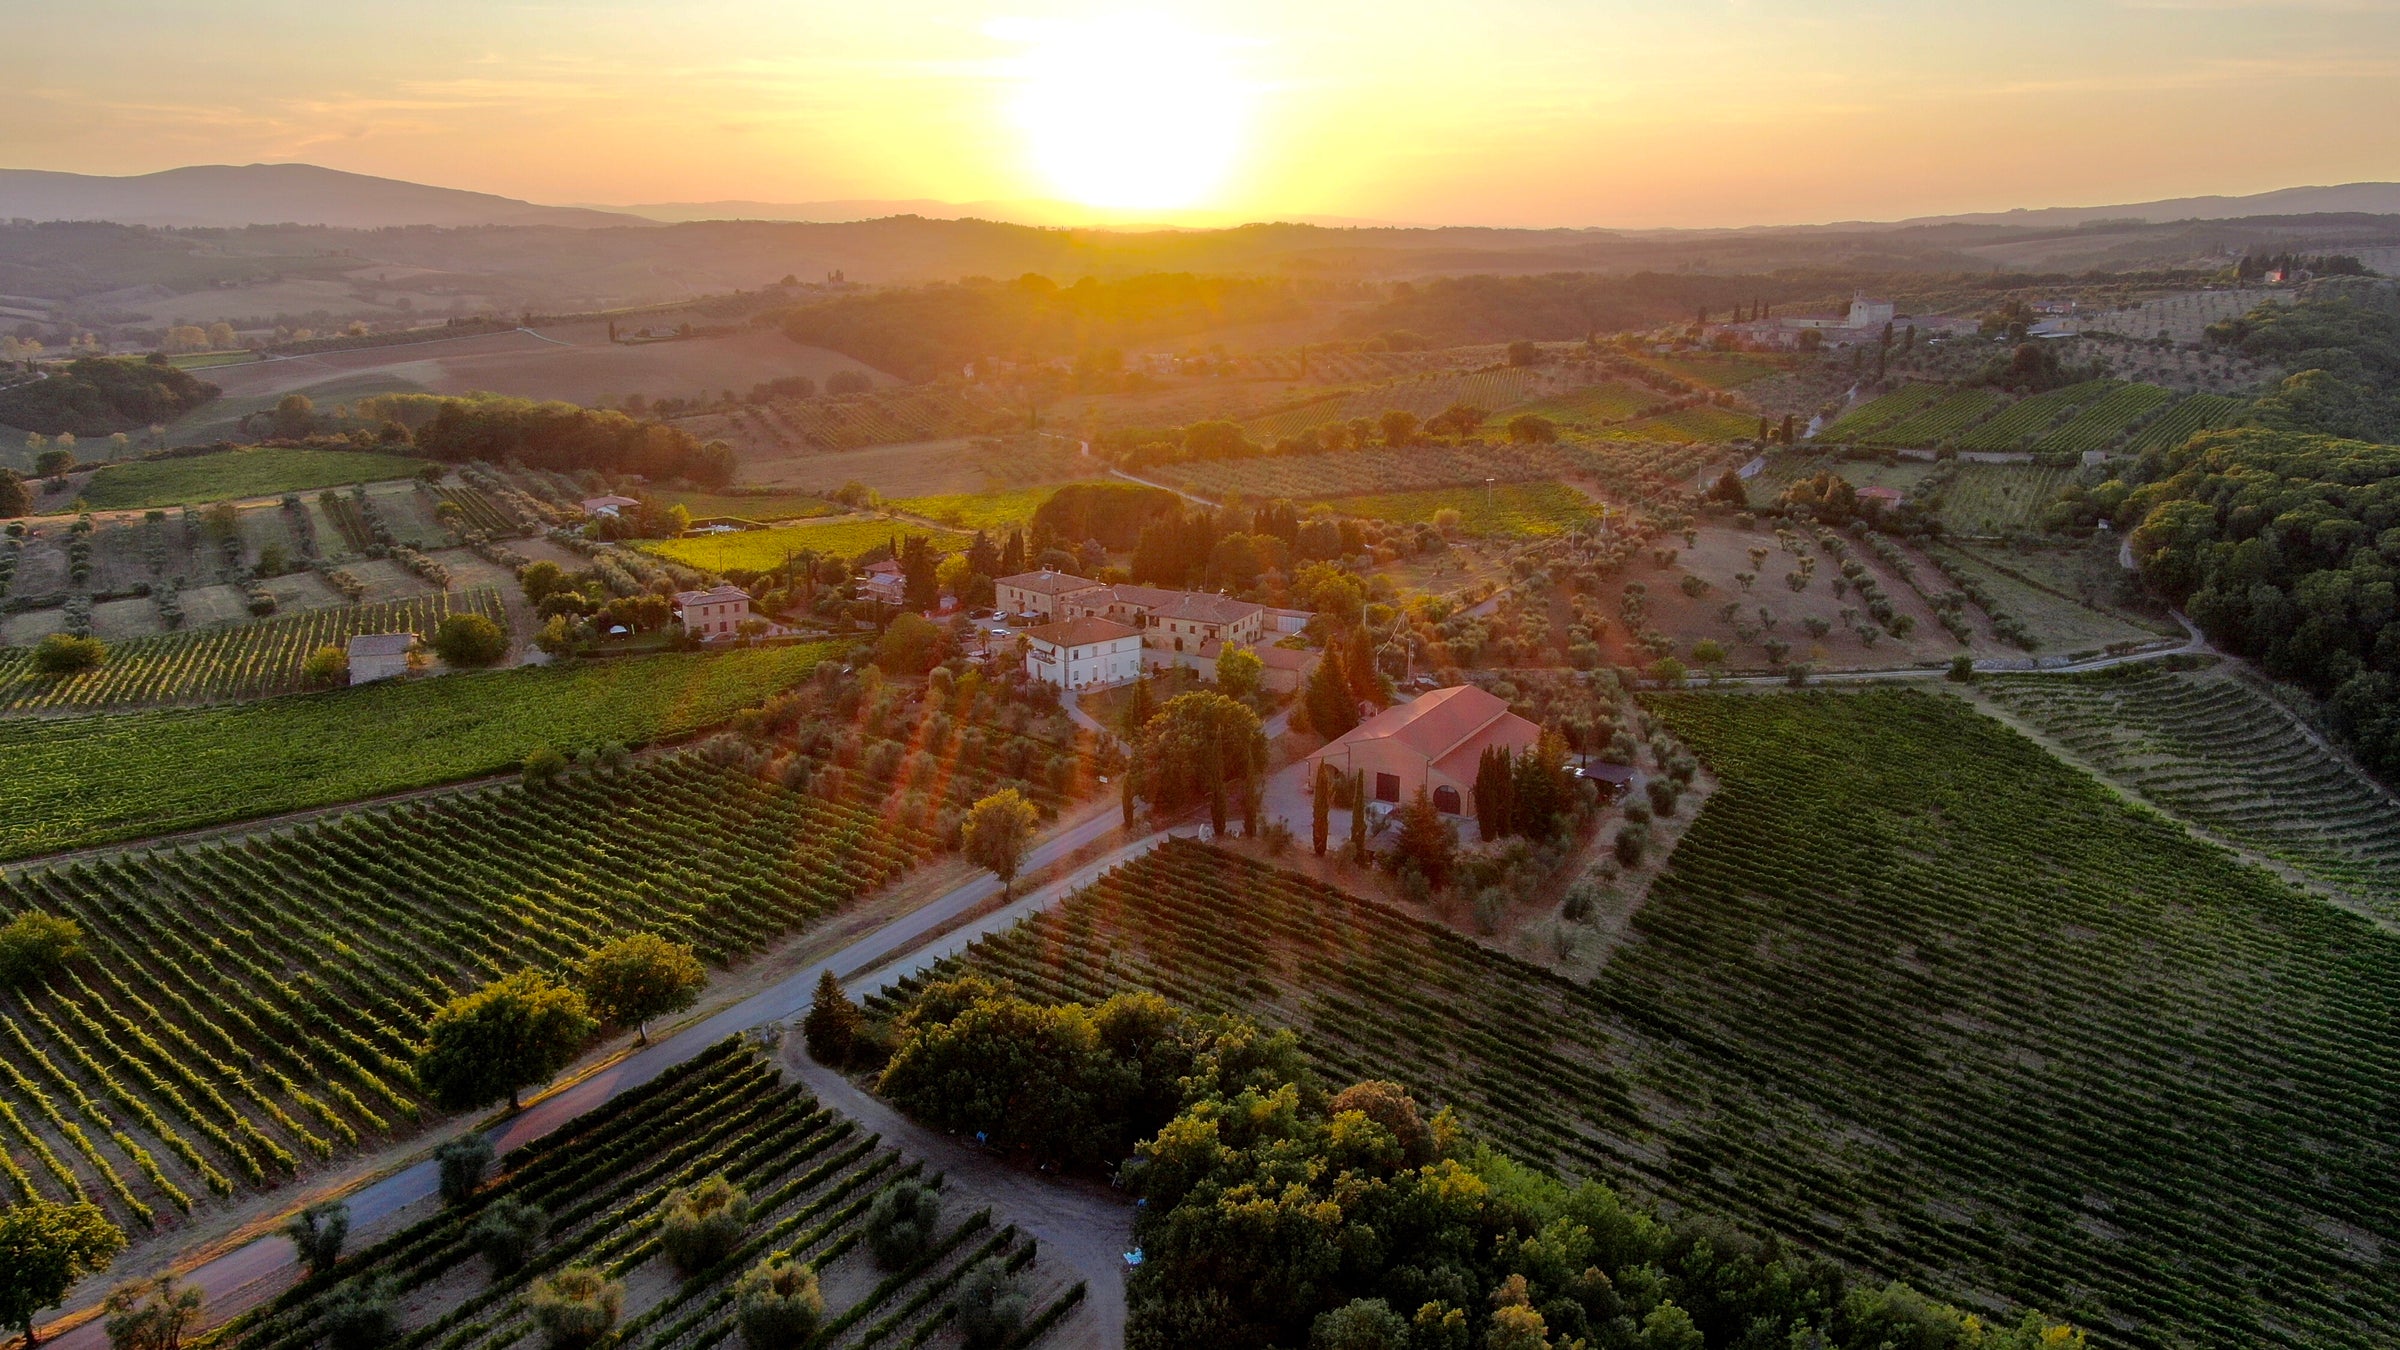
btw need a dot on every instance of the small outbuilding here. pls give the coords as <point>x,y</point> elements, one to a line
<point>379,656</point>
<point>1435,742</point>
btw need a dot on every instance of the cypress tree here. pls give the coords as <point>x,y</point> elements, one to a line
<point>1320,808</point>
<point>1358,816</point>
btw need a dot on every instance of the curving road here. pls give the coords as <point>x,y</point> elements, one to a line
<point>251,1274</point>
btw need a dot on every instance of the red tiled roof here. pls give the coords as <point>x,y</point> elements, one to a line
<point>1081,632</point>
<point>1443,723</point>
<point>1047,583</point>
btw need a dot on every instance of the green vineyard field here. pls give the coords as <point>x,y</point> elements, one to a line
<point>1929,427</point>
<point>2187,419</point>
<point>1878,413</point>
<point>260,472</point>
<point>1424,395</point>
<point>248,660</point>
<point>764,550</point>
<point>1911,992</point>
<point>2016,427</point>
<point>1349,473</point>
<point>92,780</point>
<point>2219,753</point>
<point>811,1176</point>
<point>2101,422</point>
<point>1989,500</point>
<point>250,1008</point>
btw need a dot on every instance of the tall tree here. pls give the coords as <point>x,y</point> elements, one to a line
<point>1197,746</point>
<point>1012,554</point>
<point>492,1043</point>
<point>920,569</point>
<point>833,1023</point>
<point>1495,792</point>
<point>1358,663</point>
<point>1358,816</point>
<point>45,1248</point>
<point>1424,840</point>
<point>1320,807</point>
<point>638,977</point>
<point>997,831</point>
<point>1332,708</point>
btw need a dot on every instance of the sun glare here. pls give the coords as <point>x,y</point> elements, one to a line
<point>1128,112</point>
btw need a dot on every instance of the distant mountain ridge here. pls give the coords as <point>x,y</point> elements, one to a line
<point>230,196</point>
<point>2376,199</point>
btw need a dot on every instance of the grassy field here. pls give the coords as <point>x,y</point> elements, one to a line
<point>277,1019</point>
<point>811,1176</point>
<point>2218,752</point>
<point>1717,372</point>
<point>1524,510</point>
<point>2186,420</point>
<point>759,550</point>
<point>977,510</point>
<point>243,660</point>
<point>754,506</point>
<point>93,780</point>
<point>238,473</point>
<point>2059,599</point>
<point>1911,992</point>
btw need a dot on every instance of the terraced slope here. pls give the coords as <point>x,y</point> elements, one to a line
<point>810,1177</point>
<point>2211,749</point>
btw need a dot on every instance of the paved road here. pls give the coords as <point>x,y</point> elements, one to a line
<point>1193,498</point>
<point>253,1273</point>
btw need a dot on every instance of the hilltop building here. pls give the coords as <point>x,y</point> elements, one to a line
<point>1170,628</point>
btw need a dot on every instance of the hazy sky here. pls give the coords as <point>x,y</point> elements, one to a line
<point>1533,112</point>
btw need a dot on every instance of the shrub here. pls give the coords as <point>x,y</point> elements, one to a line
<point>34,944</point>
<point>1633,841</point>
<point>361,1315</point>
<point>991,1305</point>
<point>154,1318</point>
<point>1662,793</point>
<point>67,654</point>
<point>901,1224</point>
<point>777,1304</point>
<point>463,1162</point>
<point>703,1224</point>
<point>506,1233</point>
<point>317,1233</point>
<point>469,640</point>
<point>326,665</point>
<point>576,1307</point>
<point>1360,1324</point>
<point>544,766</point>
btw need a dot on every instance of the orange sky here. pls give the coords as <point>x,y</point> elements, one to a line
<point>1525,112</point>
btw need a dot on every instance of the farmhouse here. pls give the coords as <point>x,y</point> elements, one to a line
<point>379,656</point>
<point>1083,653</point>
<point>608,506</point>
<point>1434,742</point>
<point>1041,593</point>
<point>887,583</point>
<point>717,613</point>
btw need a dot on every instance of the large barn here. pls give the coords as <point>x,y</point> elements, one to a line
<point>1434,742</point>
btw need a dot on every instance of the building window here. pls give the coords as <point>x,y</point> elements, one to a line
<point>1387,787</point>
<point>1445,800</point>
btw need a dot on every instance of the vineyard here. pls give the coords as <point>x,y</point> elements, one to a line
<point>2102,422</point>
<point>2187,419</point>
<point>1911,992</point>
<point>1424,394</point>
<point>91,780</point>
<point>810,1176</point>
<point>259,472</point>
<point>2017,426</point>
<point>477,512</point>
<point>1350,473</point>
<point>1873,416</point>
<point>1939,422</point>
<point>2212,749</point>
<point>1686,425</point>
<point>1716,371</point>
<point>1519,510</point>
<point>1991,500</point>
<point>765,550</point>
<point>1592,405</point>
<point>250,1008</point>
<point>248,660</point>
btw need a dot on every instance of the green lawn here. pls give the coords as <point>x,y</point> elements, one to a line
<point>1523,509</point>
<point>759,550</point>
<point>92,780</point>
<point>238,473</point>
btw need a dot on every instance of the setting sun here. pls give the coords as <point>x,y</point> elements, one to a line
<point>1127,112</point>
